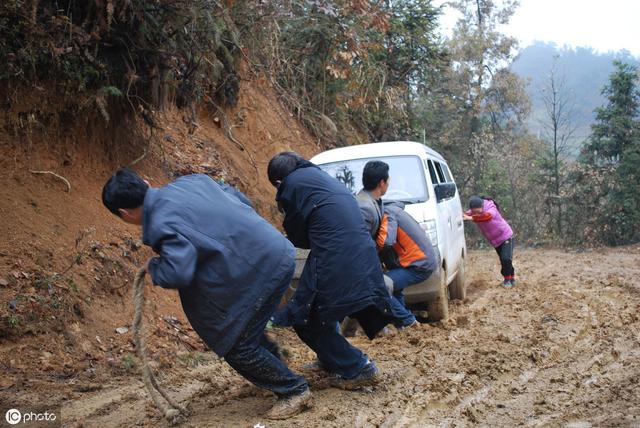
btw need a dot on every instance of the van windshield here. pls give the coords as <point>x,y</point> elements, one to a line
<point>407,180</point>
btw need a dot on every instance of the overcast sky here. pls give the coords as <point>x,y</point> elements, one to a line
<point>603,25</point>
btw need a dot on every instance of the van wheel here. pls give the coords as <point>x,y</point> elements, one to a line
<point>458,287</point>
<point>438,308</point>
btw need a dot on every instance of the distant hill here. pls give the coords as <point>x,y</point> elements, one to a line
<point>585,71</point>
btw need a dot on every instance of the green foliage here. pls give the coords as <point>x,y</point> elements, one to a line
<point>128,363</point>
<point>111,91</point>
<point>146,51</point>
<point>13,321</point>
<point>45,282</point>
<point>478,105</point>
<point>474,113</point>
<point>194,359</point>
<point>606,182</point>
<point>617,128</point>
<point>73,286</point>
<point>350,65</point>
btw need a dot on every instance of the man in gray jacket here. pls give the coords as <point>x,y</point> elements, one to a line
<point>375,182</point>
<point>229,265</point>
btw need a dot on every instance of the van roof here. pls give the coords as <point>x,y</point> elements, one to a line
<point>389,148</point>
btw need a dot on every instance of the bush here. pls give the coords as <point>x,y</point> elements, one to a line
<point>148,52</point>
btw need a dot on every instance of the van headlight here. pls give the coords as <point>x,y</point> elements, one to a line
<point>429,228</point>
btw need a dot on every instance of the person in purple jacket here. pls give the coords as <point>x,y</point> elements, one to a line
<point>486,214</point>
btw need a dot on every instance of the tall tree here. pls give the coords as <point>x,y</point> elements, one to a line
<point>558,129</point>
<point>357,64</point>
<point>612,155</point>
<point>616,127</point>
<point>475,114</point>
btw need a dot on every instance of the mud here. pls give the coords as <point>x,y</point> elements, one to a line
<point>560,349</point>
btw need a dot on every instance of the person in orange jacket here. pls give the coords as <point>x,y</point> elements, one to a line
<point>406,253</point>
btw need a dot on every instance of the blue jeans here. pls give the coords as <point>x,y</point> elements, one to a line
<point>402,278</point>
<point>334,352</point>
<point>257,359</point>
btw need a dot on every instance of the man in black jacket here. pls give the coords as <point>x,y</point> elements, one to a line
<point>342,275</point>
<point>229,265</point>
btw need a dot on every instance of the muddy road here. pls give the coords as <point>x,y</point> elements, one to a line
<point>560,349</point>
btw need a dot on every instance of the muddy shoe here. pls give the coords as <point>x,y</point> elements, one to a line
<point>314,367</point>
<point>387,332</point>
<point>287,407</point>
<point>415,325</point>
<point>368,376</point>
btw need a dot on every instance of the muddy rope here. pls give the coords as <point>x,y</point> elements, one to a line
<point>171,411</point>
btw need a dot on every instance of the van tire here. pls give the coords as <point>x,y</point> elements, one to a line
<point>438,308</point>
<point>458,287</point>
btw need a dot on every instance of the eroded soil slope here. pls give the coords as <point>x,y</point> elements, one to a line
<point>67,264</point>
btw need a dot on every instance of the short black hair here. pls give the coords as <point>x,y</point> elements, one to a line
<point>283,164</point>
<point>476,202</point>
<point>124,189</point>
<point>373,172</point>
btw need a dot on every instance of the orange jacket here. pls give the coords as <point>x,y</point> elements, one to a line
<point>399,231</point>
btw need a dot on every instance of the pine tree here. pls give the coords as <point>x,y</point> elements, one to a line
<point>613,152</point>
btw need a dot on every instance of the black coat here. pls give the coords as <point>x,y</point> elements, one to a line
<point>224,259</point>
<point>342,275</point>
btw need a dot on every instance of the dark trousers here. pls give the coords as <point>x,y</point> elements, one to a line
<point>505,252</point>
<point>334,352</point>
<point>402,278</point>
<point>257,359</point>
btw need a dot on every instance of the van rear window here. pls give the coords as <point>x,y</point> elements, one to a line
<point>407,179</point>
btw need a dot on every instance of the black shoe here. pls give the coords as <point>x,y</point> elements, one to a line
<point>368,376</point>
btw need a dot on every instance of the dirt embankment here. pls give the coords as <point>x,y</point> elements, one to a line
<point>66,264</point>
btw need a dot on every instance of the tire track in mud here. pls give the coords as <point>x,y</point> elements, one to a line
<point>561,349</point>
<point>550,360</point>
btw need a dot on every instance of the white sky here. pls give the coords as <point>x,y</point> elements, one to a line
<point>603,25</point>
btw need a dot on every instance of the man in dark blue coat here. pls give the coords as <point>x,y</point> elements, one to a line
<point>229,265</point>
<point>342,275</point>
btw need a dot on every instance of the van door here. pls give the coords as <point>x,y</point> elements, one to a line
<point>442,219</point>
<point>457,223</point>
<point>450,213</point>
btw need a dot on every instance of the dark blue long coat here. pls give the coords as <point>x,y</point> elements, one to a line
<point>342,275</point>
<point>223,258</point>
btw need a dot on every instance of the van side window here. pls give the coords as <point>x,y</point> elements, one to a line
<point>440,173</point>
<point>432,172</point>
<point>447,173</point>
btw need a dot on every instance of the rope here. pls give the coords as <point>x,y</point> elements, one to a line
<point>173,410</point>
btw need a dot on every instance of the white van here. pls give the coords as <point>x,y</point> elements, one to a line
<point>420,177</point>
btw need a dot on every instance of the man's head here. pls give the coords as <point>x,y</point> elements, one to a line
<point>123,195</point>
<point>375,177</point>
<point>475,204</point>
<point>281,165</point>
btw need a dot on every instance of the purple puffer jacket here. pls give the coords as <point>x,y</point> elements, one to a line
<point>496,230</point>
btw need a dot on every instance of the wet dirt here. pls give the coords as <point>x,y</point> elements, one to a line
<point>562,348</point>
